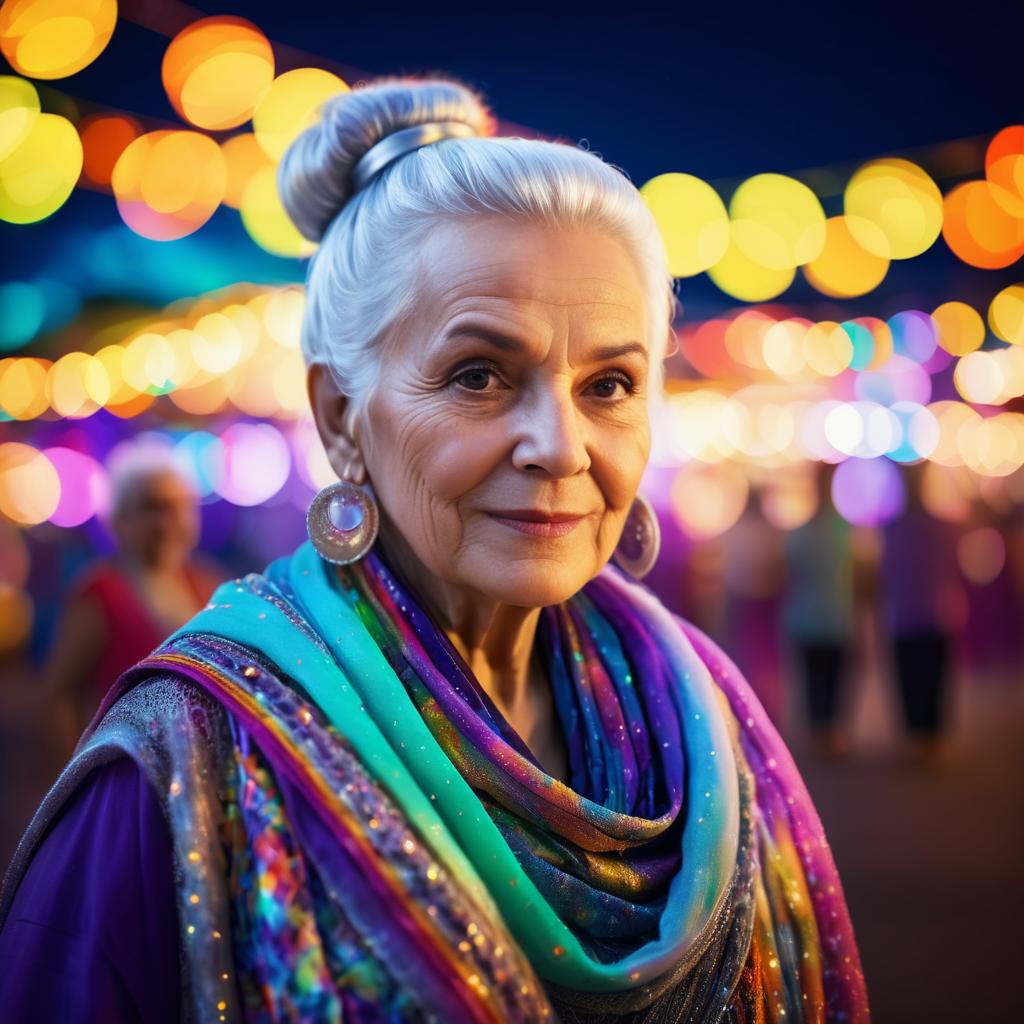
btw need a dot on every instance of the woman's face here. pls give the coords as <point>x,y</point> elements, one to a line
<point>519,390</point>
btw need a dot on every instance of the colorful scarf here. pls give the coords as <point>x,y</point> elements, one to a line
<point>680,874</point>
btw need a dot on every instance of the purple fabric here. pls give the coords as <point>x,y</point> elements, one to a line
<point>93,931</point>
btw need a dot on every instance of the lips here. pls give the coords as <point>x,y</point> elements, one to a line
<point>538,524</point>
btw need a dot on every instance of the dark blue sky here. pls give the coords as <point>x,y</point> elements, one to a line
<point>718,90</point>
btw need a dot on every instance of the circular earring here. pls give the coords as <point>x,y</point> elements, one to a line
<point>342,522</point>
<point>638,547</point>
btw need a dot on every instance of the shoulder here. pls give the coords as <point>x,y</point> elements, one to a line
<point>93,921</point>
<point>98,579</point>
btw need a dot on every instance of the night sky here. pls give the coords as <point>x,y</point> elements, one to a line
<point>721,91</point>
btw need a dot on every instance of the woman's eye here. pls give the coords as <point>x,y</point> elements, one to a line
<point>608,385</point>
<point>474,378</point>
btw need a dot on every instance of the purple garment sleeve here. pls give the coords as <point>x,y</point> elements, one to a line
<point>92,934</point>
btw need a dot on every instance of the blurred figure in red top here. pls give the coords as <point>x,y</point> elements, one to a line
<point>120,608</point>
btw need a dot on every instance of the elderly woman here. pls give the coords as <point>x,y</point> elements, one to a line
<point>449,761</point>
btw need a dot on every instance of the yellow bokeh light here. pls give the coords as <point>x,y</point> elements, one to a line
<point>1006,314</point>
<point>692,220</point>
<point>216,70</point>
<point>37,178</point>
<point>739,276</point>
<point>77,385</point>
<point>111,357</point>
<point>901,199</point>
<point>291,105</point>
<point>29,484</point>
<point>282,316</point>
<point>828,349</point>
<point>784,347</point>
<point>169,183</point>
<point>19,107</point>
<point>960,327</point>
<point>845,268</point>
<point>777,221</point>
<point>216,343</point>
<point>55,38</point>
<point>243,157</point>
<point>23,388</point>
<point>266,220</point>
<point>290,385</point>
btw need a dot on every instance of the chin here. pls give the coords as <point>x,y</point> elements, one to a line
<point>530,582</point>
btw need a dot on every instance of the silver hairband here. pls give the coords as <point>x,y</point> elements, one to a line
<point>397,144</point>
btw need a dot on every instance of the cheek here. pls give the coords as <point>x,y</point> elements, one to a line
<point>619,466</point>
<point>423,462</point>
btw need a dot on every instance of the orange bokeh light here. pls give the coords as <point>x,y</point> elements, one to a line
<point>169,183</point>
<point>104,139</point>
<point>216,70</point>
<point>979,228</point>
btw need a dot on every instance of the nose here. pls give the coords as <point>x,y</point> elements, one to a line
<point>552,435</point>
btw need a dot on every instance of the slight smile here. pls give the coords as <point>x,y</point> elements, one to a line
<point>539,524</point>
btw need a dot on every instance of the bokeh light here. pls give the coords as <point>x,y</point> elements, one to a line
<point>55,38</point>
<point>169,183</point>
<point>845,268</point>
<point>914,335</point>
<point>777,221</point>
<point>216,70</point>
<point>23,388</point>
<point>692,220</point>
<point>739,276</point>
<point>266,220</point>
<point>290,105</point>
<point>828,349</point>
<point>256,463</point>
<point>104,138</point>
<point>1004,167</point>
<point>29,484</point>
<point>978,227</point>
<point>19,107</point>
<point>959,327</point>
<point>37,177</point>
<point>22,311</point>
<point>243,157</point>
<point>981,554</point>
<point>83,486</point>
<point>707,500</point>
<point>1006,314</point>
<point>868,492</point>
<point>899,198</point>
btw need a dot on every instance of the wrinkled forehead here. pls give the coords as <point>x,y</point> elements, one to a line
<point>530,272</point>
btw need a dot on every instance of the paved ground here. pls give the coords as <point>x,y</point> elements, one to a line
<point>932,858</point>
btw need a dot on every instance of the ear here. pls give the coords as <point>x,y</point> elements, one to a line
<point>332,411</point>
<point>671,343</point>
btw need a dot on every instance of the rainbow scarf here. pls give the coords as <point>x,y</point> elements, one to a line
<point>680,873</point>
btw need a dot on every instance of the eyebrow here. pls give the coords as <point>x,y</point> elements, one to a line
<point>510,344</point>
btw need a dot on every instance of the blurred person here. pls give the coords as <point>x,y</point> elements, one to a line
<point>451,759</point>
<point>121,608</point>
<point>752,572</point>
<point>818,615</point>
<point>921,599</point>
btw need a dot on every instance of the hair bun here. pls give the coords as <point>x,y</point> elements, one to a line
<point>314,178</point>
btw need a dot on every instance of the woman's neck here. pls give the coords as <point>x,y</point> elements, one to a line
<point>495,639</point>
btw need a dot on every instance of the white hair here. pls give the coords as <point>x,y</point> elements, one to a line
<point>361,282</point>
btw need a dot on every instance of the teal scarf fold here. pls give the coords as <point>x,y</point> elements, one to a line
<point>607,882</point>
